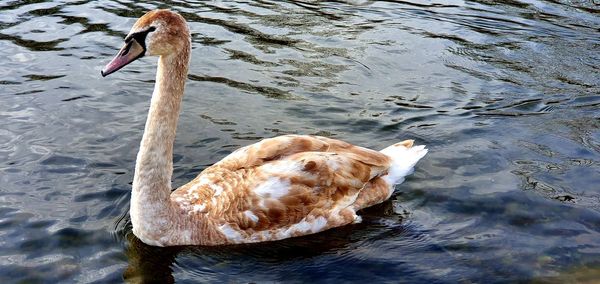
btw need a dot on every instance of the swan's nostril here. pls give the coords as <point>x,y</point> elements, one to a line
<point>126,49</point>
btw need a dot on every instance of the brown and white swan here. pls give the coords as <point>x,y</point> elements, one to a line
<point>278,188</point>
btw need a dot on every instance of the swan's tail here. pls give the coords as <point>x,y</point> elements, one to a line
<point>404,157</point>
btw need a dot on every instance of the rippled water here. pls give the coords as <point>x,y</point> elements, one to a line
<point>506,94</point>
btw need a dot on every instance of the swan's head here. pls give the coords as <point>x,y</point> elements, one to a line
<point>158,32</point>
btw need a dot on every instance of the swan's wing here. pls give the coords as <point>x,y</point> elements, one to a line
<point>279,147</point>
<point>299,194</point>
<point>285,186</point>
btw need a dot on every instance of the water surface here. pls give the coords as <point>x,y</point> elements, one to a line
<point>504,93</point>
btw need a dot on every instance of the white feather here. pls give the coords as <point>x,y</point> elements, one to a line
<point>285,168</point>
<point>251,216</point>
<point>274,187</point>
<point>231,234</point>
<point>403,161</point>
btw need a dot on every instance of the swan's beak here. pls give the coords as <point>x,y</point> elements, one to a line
<point>129,53</point>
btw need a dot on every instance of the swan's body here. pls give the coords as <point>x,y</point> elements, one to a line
<point>278,188</point>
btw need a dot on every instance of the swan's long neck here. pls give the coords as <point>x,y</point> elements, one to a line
<point>151,211</point>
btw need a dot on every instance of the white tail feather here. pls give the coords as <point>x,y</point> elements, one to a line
<point>404,157</point>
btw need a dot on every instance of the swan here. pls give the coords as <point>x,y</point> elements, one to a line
<point>278,188</point>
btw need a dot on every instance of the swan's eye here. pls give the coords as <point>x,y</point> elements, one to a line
<point>151,29</point>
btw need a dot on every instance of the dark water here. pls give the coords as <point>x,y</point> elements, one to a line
<point>506,94</point>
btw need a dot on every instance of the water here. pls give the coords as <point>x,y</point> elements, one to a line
<point>504,93</point>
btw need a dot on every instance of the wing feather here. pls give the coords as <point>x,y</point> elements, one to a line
<point>286,186</point>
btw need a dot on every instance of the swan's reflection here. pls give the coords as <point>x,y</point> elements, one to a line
<point>149,264</point>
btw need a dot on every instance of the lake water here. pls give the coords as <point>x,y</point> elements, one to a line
<point>505,94</point>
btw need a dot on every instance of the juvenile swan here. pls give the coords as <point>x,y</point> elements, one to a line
<point>278,188</point>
